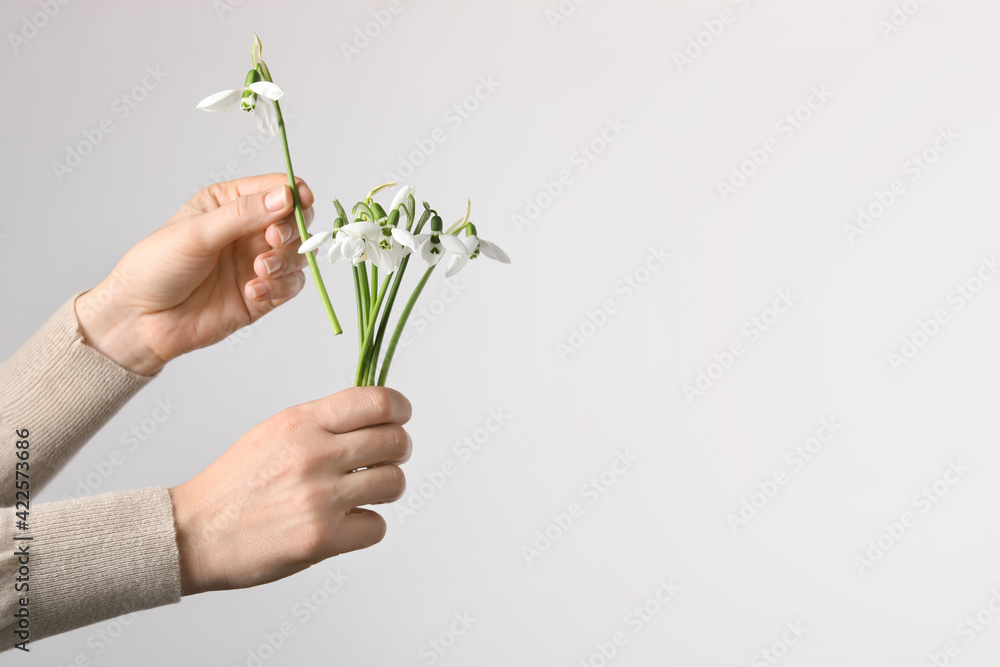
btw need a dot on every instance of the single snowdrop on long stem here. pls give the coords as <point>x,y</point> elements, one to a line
<point>259,96</point>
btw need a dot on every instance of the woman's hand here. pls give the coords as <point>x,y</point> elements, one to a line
<point>285,496</point>
<point>228,257</point>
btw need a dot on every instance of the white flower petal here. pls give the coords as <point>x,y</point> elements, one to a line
<point>400,197</point>
<point>314,241</point>
<point>226,100</point>
<point>453,244</point>
<point>493,251</point>
<point>362,229</point>
<point>381,258</point>
<point>455,264</point>
<point>431,258</point>
<point>404,238</point>
<point>267,120</point>
<point>336,252</point>
<point>271,91</point>
<point>351,248</point>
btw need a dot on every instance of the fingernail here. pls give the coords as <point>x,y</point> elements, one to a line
<point>259,289</point>
<point>275,198</point>
<point>271,265</point>
<point>284,233</point>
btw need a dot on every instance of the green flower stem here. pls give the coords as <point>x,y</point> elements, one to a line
<point>363,359</point>
<point>384,323</point>
<point>303,233</point>
<point>365,297</point>
<point>357,300</point>
<point>402,323</point>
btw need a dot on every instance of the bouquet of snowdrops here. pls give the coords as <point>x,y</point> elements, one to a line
<point>376,242</point>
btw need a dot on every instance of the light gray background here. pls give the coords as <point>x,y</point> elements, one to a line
<point>495,346</point>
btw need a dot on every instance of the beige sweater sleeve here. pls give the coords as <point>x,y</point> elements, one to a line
<point>92,558</point>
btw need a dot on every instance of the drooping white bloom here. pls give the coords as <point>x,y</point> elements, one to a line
<point>362,241</point>
<point>464,249</point>
<point>354,241</point>
<point>263,114</point>
<point>400,197</point>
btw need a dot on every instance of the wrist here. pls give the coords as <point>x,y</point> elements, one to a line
<point>111,330</point>
<point>191,578</point>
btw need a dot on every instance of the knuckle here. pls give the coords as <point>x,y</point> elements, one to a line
<point>239,209</point>
<point>399,441</point>
<point>378,528</point>
<point>310,541</point>
<point>396,484</point>
<point>380,403</point>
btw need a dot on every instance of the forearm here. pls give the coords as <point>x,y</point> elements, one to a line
<point>62,391</point>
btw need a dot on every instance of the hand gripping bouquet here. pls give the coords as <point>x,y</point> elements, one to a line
<point>377,242</point>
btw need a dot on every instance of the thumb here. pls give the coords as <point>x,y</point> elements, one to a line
<point>243,215</point>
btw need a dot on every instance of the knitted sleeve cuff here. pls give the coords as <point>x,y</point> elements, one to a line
<point>92,559</point>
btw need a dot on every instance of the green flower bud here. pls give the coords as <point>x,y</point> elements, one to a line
<point>250,97</point>
<point>437,225</point>
<point>377,210</point>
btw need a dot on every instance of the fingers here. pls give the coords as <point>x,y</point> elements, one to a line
<point>276,290</point>
<point>228,191</point>
<point>242,216</point>
<point>358,529</point>
<point>358,407</point>
<point>386,443</point>
<point>286,232</point>
<point>381,484</point>
<point>277,263</point>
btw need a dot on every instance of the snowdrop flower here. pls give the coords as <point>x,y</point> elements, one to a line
<point>464,249</point>
<point>354,242</point>
<point>362,241</point>
<point>401,199</point>
<point>246,99</point>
